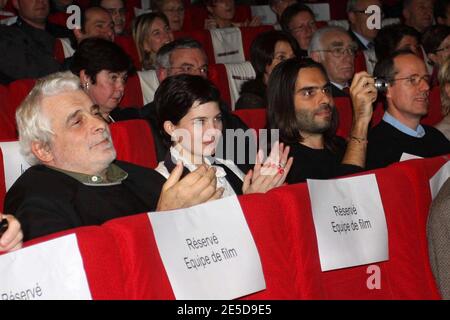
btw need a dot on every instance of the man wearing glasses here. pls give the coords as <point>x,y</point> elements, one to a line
<point>335,50</point>
<point>360,31</point>
<point>118,13</point>
<point>407,102</point>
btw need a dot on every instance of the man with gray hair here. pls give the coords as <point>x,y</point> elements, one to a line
<point>335,50</point>
<point>74,180</point>
<point>360,29</point>
<point>186,56</point>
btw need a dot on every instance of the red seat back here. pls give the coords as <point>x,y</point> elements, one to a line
<point>101,260</point>
<point>434,115</point>
<point>249,34</point>
<point>7,124</point>
<point>133,96</point>
<point>345,111</point>
<point>58,18</point>
<point>128,45</point>
<point>217,73</point>
<point>134,142</point>
<point>15,94</point>
<point>253,118</point>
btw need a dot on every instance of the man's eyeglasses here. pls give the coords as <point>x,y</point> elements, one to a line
<point>446,48</point>
<point>415,79</point>
<point>301,29</point>
<point>188,69</point>
<point>310,92</point>
<point>368,14</point>
<point>340,51</point>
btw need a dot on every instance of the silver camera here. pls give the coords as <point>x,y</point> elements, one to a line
<point>381,84</point>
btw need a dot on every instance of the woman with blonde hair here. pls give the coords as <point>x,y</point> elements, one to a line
<point>444,81</point>
<point>150,32</point>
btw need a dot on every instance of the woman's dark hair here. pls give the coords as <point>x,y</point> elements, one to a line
<point>281,106</point>
<point>290,12</point>
<point>262,49</point>
<point>433,37</point>
<point>96,54</point>
<point>389,37</point>
<point>176,95</point>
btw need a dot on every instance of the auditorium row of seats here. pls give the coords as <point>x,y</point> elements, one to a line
<point>122,261</point>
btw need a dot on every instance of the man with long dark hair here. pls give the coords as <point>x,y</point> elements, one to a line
<point>301,106</point>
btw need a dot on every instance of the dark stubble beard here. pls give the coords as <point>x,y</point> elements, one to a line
<point>307,123</point>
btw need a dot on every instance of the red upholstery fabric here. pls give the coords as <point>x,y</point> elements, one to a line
<point>360,62</point>
<point>133,96</point>
<point>276,246</point>
<point>217,73</point>
<point>16,93</point>
<point>128,45</point>
<point>58,51</point>
<point>134,143</point>
<point>248,35</point>
<point>202,36</point>
<point>2,182</point>
<point>145,276</point>
<point>101,259</point>
<point>7,125</point>
<point>59,18</point>
<point>195,15</point>
<point>345,112</point>
<point>253,118</point>
<point>404,276</point>
<point>378,112</point>
<point>434,111</point>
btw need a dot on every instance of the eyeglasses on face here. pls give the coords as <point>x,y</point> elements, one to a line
<point>415,79</point>
<point>188,69</point>
<point>338,52</point>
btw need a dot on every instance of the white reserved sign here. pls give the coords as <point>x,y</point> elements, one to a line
<point>438,180</point>
<point>14,162</point>
<point>51,270</point>
<point>208,251</point>
<point>349,221</point>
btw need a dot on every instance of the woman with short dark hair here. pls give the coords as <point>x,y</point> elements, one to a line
<point>266,52</point>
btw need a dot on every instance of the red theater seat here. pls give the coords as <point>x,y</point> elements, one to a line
<point>128,45</point>
<point>16,92</point>
<point>134,143</point>
<point>249,34</point>
<point>253,118</point>
<point>133,96</point>
<point>101,260</point>
<point>345,112</point>
<point>434,115</point>
<point>195,15</point>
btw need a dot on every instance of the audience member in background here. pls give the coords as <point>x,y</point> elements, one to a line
<point>26,47</point>
<point>436,43</point>
<point>298,20</point>
<point>444,81</point>
<point>360,31</point>
<point>441,12</point>
<point>186,56</point>
<point>438,233</point>
<point>11,239</point>
<point>103,69</point>
<point>174,11</point>
<point>60,5</point>
<point>301,107</point>
<point>335,50</point>
<point>74,180</point>
<point>407,102</point>
<point>418,14</point>
<point>190,119</point>
<point>278,7</point>
<point>117,10</point>
<point>396,37</point>
<point>221,15</point>
<point>150,32</point>
<point>266,52</point>
<point>96,22</point>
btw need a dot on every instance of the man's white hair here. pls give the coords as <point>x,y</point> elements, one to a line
<point>31,122</point>
<point>316,40</point>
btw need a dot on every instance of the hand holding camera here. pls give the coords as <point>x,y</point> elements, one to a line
<point>363,93</point>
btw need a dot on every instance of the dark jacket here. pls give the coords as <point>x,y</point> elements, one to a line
<point>252,95</point>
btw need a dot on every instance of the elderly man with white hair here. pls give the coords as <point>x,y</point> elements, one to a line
<point>335,50</point>
<point>74,180</point>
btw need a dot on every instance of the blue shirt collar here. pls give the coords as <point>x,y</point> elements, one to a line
<point>418,133</point>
